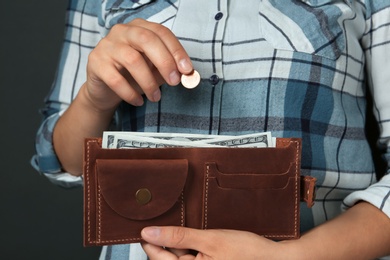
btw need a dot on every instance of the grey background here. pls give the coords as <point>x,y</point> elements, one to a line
<point>37,219</point>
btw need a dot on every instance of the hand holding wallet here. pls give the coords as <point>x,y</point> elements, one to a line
<point>252,189</point>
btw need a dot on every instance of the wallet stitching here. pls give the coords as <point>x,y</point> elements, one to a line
<point>296,194</point>
<point>99,214</point>
<point>206,195</point>
<point>88,193</point>
<point>182,209</point>
<point>296,187</point>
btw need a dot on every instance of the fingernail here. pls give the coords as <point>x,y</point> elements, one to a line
<point>157,95</point>
<point>185,65</point>
<point>151,232</point>
<point>174,77</point>
<point>138,102</point>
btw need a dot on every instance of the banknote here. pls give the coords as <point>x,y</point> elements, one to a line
<point>250,140</point>
<point>108,140</point>
<point>131,142</point>
<point>120,140</point>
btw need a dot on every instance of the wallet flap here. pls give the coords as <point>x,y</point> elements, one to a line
<point>141,189</point>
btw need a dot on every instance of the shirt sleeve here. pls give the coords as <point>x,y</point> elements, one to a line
<point>82,33</point>
<point>376,42</point>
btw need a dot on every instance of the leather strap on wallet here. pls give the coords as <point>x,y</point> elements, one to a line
<point>252,189</point>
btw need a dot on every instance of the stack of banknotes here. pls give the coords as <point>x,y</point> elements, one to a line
<point>129,140</point>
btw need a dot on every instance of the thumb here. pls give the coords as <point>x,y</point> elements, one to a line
<point>174,237</point>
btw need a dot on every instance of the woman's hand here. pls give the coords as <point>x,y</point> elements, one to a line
<point>210,244</point>
<point>134,59</point>
<point>362,232</point>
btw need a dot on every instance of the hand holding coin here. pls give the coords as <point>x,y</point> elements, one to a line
<point>190,80</point>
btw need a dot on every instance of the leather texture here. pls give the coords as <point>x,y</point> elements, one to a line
<point>252,189</point>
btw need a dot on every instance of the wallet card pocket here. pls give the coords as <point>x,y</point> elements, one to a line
<point>132,194</point>
<point>266,204</point>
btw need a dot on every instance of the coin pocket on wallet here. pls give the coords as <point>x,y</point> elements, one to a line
<point>134,193</point>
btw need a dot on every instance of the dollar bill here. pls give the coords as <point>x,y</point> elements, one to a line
<point>109,141</point>
<point>120,140</point>
<point>131,142</point>
<point>250,140</point>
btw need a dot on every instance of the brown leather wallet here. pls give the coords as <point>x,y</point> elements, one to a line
<point>251,189</point>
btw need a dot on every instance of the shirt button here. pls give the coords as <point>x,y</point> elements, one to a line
<point>218,16</point>
<point>214,79</point>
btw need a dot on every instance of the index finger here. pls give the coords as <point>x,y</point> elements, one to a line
<point>171,42</point>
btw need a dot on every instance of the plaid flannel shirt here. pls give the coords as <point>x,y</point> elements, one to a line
<point>296,68</point>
